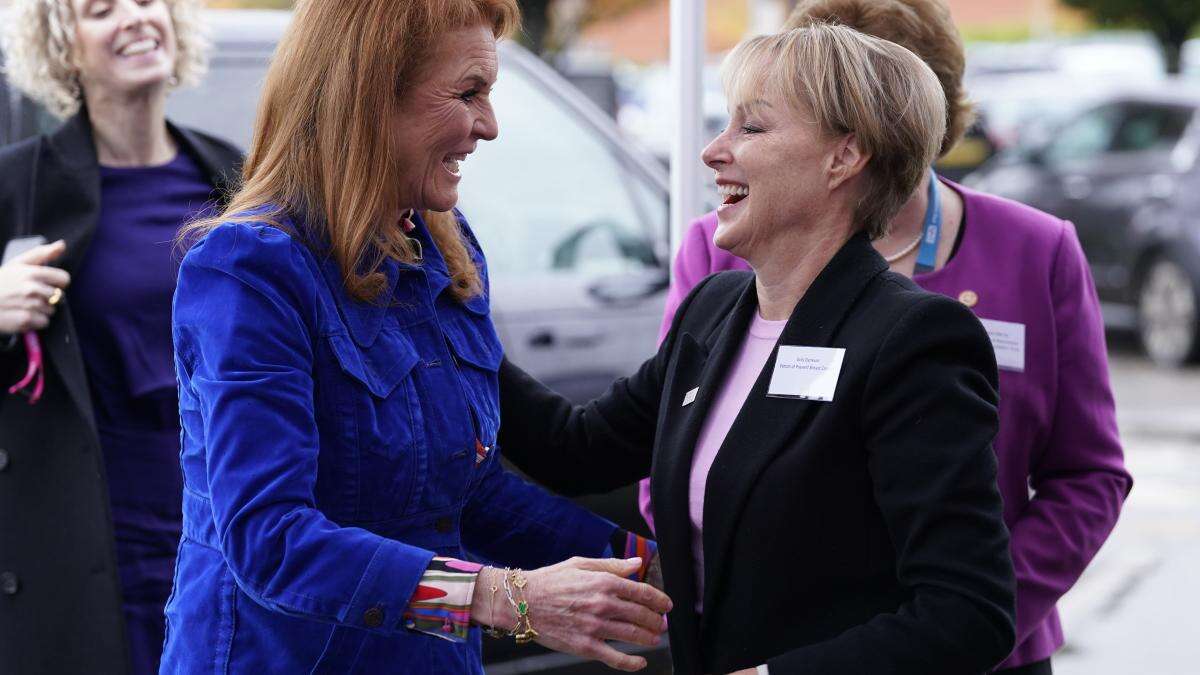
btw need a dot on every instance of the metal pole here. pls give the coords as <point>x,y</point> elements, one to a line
<point>687,68</point>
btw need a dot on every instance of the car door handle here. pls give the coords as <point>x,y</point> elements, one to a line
<point>548,339</point>
<point>542,340</point>
<point>582,340</point>
<point>1077,187</point>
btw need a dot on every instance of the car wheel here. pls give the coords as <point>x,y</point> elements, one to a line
<point>1168,323</point>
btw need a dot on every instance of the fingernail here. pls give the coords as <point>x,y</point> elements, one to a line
<point>634,560</point>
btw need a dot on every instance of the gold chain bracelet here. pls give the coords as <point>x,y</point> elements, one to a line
<point>492,631</point>
<point>514,590</point>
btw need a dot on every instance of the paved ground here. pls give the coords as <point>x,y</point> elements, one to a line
<point>1134,610</point>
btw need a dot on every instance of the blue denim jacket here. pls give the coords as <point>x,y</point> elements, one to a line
<point>329,452</point>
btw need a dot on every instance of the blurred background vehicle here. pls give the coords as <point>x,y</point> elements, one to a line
<point>1123,170</point>
<point>573,219</point>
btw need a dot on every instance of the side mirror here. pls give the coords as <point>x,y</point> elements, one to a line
<point>630,288</point>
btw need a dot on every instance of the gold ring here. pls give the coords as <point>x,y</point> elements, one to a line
<point>55,297</point>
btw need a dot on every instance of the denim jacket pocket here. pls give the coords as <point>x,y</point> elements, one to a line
<point>473,337</point>
<point>379,367</point>
<point>383,420</point>
<point>477,349</point>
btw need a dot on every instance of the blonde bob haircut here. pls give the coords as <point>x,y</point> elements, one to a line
<point>846,82</point>
<point>39,42</point>
<point>323,147</point>
<point>924,27</point>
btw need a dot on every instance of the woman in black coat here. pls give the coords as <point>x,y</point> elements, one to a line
<point>822,468</point>
<point>89,471</point>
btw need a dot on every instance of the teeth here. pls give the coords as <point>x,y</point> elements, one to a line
<point>139,47</point>
<point>732,190</point>
<point>452,165</point>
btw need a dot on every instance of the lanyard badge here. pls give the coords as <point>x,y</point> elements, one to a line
<point>931,230</point>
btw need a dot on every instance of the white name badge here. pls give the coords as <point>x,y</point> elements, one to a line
<point>806,372</point>
<point>1008,341</point>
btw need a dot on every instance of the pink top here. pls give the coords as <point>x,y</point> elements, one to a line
<point>756,349</point>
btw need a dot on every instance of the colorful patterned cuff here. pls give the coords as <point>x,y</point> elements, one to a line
<point>441,605</point>
<point>630,545</point>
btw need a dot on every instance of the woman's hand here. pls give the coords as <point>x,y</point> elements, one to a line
<point>27,285</point>
<point>576,605</point>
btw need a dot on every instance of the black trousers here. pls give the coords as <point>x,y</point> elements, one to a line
<point>1035,668</point>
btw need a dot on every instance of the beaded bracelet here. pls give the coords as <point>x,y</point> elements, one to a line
<point>514,590</point>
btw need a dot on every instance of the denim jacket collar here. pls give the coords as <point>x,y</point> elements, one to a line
<point>364,319</point>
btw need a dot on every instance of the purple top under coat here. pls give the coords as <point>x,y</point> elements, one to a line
<point>121,305</point>
<point>1061,467</point>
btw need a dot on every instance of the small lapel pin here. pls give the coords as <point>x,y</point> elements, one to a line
<point>968,298</point>
<point>690,396</point>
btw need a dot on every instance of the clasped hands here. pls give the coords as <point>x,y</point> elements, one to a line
<point>578,605</point>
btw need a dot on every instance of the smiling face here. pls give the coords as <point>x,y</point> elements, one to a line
<point>443,116</point>
<point>773,169</point>
<point>123,47</point>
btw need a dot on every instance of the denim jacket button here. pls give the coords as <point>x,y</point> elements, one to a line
<point>373,618</point>
<point>445,525</point>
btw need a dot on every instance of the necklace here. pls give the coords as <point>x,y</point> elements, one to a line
<point>905,251</point>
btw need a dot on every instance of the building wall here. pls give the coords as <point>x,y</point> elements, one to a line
<point>642,35</point>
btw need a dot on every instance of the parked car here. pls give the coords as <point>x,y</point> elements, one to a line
<point>1124,171</point>
<point>573,219</point>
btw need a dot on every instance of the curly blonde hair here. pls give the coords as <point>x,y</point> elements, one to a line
<point>40,36</point>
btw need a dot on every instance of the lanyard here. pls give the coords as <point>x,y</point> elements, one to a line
<point>932,230</point>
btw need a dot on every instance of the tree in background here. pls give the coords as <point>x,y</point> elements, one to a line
<point>1171,21</point>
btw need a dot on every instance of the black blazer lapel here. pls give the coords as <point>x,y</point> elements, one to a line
<point>67,189</point>
<point>698,364</point>
<point>67,206</point>
<point>765,426</point>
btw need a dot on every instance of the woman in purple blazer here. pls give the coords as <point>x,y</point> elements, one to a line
<point>1061,467</point>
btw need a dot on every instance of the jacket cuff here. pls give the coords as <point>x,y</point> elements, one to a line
<point>627,545</point>
<point>441,604</point>
<point>384,591</point>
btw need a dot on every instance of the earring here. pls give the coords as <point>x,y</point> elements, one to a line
<point>173,81</point>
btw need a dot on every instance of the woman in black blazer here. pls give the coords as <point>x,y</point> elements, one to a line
<point>836,511</point>
<point>89,474</point>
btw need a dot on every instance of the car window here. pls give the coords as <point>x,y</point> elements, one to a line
<point>550,195</point>
<point>226,102</point>
<point>1146,128</point>
<point>1085,137</point>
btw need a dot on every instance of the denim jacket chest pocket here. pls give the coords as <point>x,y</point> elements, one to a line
<point>380,455</point>
<point>477,351</point>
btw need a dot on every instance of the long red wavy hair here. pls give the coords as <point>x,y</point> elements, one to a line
<point>322,145</point>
